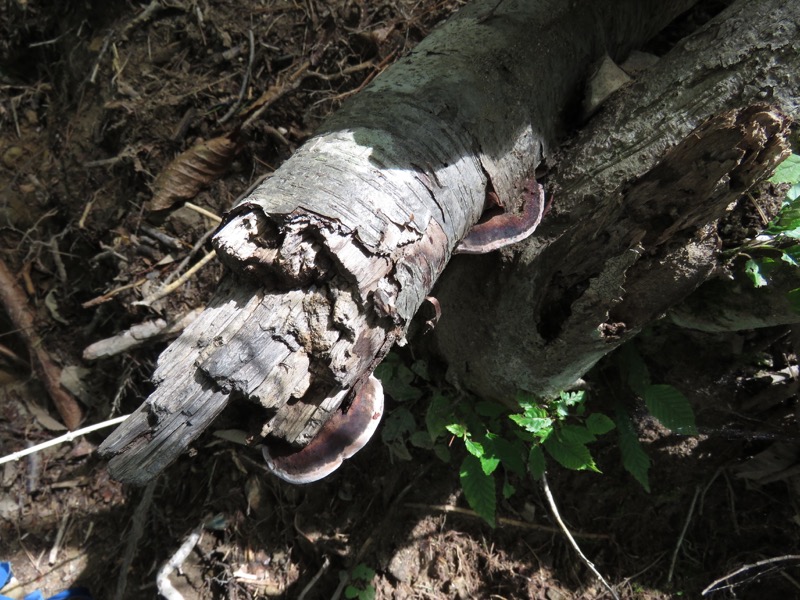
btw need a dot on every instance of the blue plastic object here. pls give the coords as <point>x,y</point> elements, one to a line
<point>77,593</point>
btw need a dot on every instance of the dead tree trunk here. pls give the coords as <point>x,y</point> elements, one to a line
<point>335,253</point>
<point>637,192</point>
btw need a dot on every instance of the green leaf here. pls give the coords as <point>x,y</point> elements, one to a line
<point>362,572</point>
<point>491,410</point>
<point>478,489</point>
<point>473,447</point>
<point>536,462</point>
<point>791,255</point>
<point>511,454</point>
<point>489,464</point>
<point>752,269</point>
<point>572,456</point>
<point>421,439</point>
<point>671,408</point>
<point>400,387</point>
<point>576,434</point>
<point>399,449</point>
<point>420,369</point>
<point>634,370</point>
<point>442,452</point>
<point>508,490</point>
<point>571,399</point>
<point>457,429</point>
<point>398,423</point>
<point>787,222</point>
<point>368,593</point>
<point>534,419</point>
<point>384,371</point>
<point>634,458</point>
<point>794,299</point>
<point>788,171</point>
<point>438,416</point>
<point>599,424</point>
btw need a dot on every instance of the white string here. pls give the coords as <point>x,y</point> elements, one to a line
<point>67,437</point>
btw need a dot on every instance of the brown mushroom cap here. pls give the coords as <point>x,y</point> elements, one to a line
<point>341,437</point>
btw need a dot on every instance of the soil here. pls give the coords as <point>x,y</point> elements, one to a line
<point>97,99</point>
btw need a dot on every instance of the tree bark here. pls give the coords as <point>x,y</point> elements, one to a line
<point>637,193</point>
<point>336,252</point>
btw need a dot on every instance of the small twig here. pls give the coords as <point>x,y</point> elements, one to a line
<point>502,520</point>
<point>310,585</point>
<point>683,534</point>
<point>745,568</point>
<point>245,81</point>
<point>203,211</point>
<point>67,437</point>
<point>554,509</point>
<point>12,356</point>
<point>764,218</point>
<point>15,302</point>
<point>109,295</point>
<point>732,500</point>
<point>61,270</point>
<point>164,238</point>
<point>187,259</point>
<point>163,583</point>
<point>53,556</point>
<point>142,17</point>
<point>139,335</point>
<point>138,521</point>
<point>167,290</point>
<point>100,55</point>
<point>378,70</point>
<point>275,92</point>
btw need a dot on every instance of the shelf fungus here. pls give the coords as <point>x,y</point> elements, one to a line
<point>341,437</point>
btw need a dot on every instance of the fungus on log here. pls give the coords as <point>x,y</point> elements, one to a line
<point>333,255</point>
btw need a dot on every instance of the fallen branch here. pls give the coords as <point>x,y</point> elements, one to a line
<point>682,536</point>
<point>744,569</point>
<point>554,509</point>
<point>15,303</point>
<point>139,335</point>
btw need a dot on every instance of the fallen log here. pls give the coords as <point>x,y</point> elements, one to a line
<point>638,192</point>
<point>332,256</point>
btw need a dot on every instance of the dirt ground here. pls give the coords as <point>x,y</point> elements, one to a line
<point>96,99</point>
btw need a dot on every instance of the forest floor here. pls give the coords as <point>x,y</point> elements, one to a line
<point>96,99</point>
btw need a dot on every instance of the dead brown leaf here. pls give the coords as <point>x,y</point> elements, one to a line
<point>191,170</point>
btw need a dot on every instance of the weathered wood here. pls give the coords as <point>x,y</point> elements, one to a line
<point>631,231</point>
<point>343,243</point>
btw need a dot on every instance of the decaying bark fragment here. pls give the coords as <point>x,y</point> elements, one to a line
<point>334,254</point>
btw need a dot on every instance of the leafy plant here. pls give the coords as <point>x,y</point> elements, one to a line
<point>777,244</point>
<point>500,442</point>
<point>360,585</point>
<point>665,402</point>
<point>406,385</point>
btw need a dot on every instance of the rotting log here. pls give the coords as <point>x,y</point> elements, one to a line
<point>637,195</point>
<point>333,255</point>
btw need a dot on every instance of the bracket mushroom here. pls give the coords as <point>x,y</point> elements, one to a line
<point>341,437</point>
